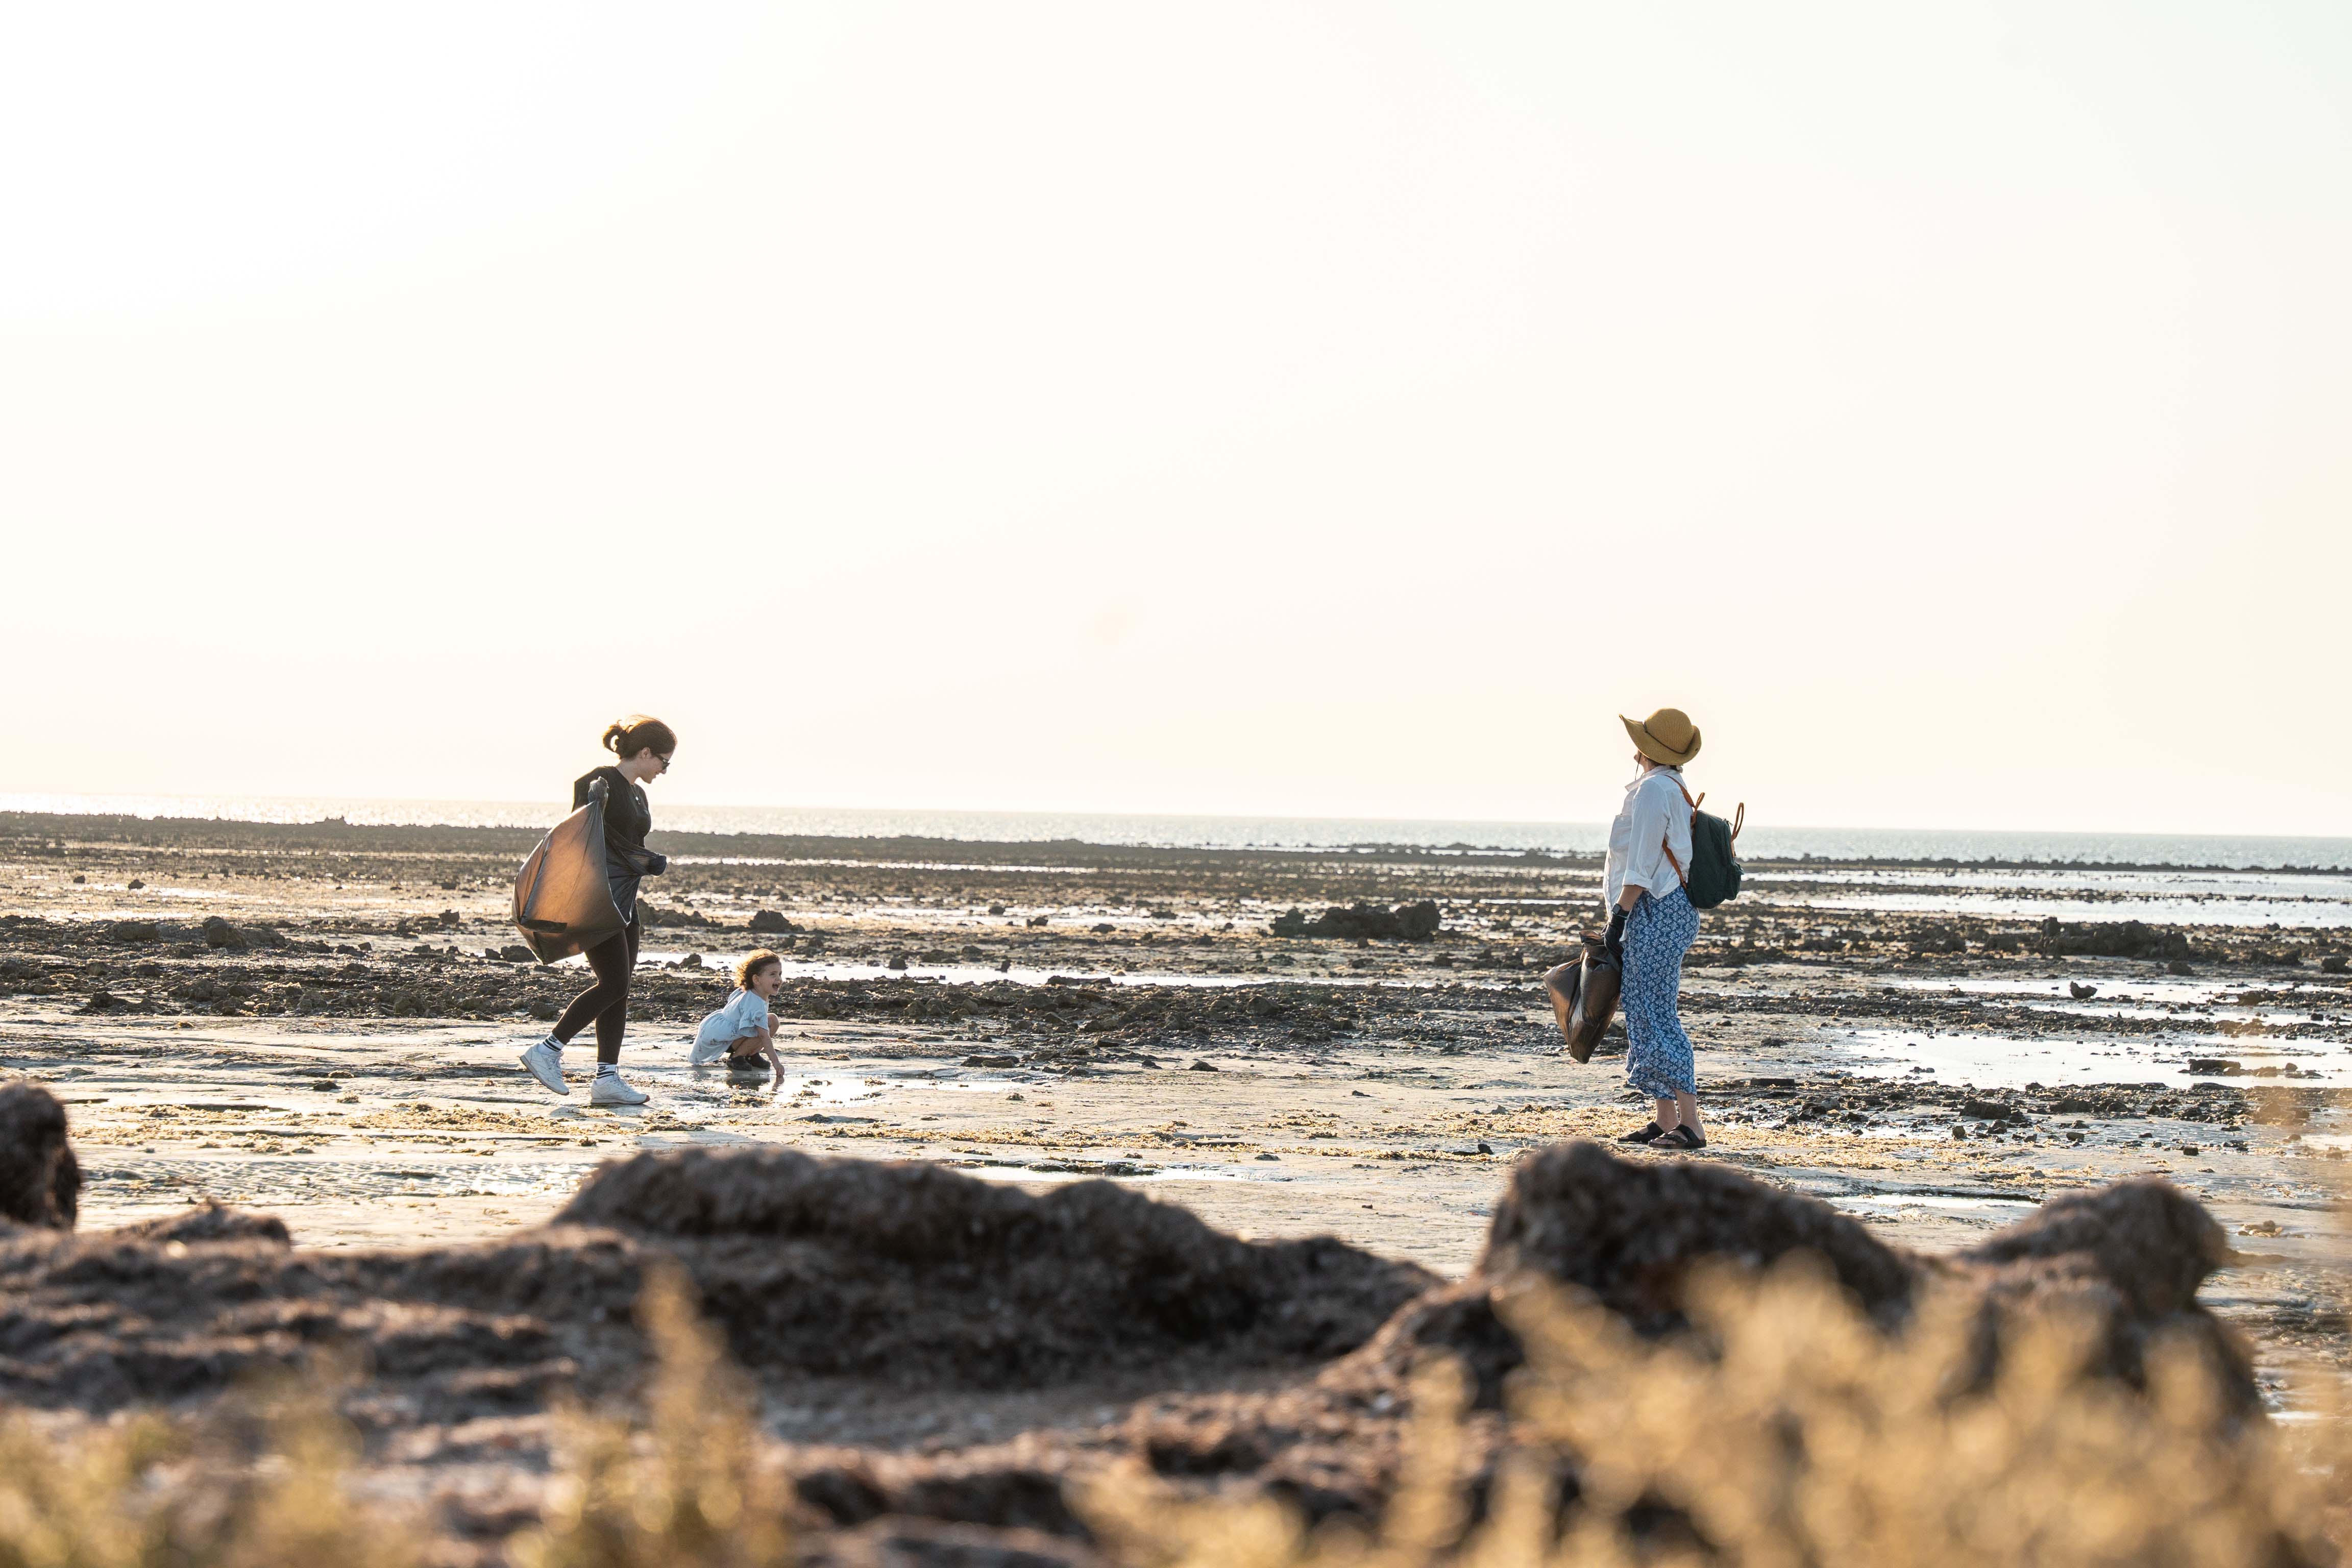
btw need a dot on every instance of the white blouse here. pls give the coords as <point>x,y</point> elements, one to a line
<point>1655,817</point>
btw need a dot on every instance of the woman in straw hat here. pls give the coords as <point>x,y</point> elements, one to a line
<point>1652,923</point>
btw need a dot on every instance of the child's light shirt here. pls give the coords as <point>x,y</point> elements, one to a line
<point>745,1013</point>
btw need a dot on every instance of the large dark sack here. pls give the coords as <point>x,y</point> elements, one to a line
<point>563,897</point>
<point>1588,987</point>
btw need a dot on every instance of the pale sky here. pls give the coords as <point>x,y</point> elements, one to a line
<point>1338,409</point>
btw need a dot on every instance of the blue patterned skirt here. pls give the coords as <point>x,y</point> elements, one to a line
<point>1657,933</point>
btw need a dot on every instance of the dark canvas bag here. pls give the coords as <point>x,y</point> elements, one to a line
<point>564,895</point>
<point>1713,874</point>
<point>1587,987</point>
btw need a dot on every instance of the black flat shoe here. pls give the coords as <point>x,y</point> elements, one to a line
<point>1687,1138</point>
<point>1649,1134</point>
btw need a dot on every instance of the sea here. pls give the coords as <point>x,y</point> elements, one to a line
<point>1928,846</point>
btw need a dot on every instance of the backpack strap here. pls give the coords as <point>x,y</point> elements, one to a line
<point>1667,843</point>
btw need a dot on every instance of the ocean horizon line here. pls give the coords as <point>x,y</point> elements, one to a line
<point>1238,830</point>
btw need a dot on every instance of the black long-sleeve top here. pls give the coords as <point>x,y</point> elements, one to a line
<point>628,818</point>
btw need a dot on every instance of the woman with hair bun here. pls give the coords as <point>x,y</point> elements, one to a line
<point>643,747</point>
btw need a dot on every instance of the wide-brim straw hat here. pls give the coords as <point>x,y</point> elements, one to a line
<point>1666,736</point>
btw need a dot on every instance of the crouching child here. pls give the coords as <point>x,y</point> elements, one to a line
<point>741,1033</point>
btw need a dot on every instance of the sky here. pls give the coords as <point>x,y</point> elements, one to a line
<point>1338,409</point>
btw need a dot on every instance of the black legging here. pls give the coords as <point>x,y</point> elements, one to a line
<point>606,1003</point>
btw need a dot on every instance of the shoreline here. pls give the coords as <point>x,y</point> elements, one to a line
<point>119,826</point>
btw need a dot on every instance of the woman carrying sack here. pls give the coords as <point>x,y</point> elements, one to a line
<point>644,746</point>
<point>1652,923</point>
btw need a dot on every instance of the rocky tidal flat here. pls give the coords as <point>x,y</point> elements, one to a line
<point>318,1023</point>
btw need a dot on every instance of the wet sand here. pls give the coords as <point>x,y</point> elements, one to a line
<point>321,1023</point>
<point>339,1048</point>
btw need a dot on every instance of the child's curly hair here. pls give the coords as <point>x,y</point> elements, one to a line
<point>753,962</point>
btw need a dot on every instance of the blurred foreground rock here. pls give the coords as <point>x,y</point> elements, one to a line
<point>40,1180</point>
<point>1289,1366</point>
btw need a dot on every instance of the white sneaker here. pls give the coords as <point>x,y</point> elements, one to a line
<point>612,1089</point>
<point>545,1061</point>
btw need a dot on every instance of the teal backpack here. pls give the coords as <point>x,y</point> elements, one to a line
<point>1712,876</point>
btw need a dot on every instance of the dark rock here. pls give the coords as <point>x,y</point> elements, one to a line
<point>765,920</point>
<point>129,931</point>
<point>40,1180</point>
<point>1630,1232</point>
<point>219,933</point>
<point>543,1009</point>
<point>2217,1067</point>
<point>1933,941</point>
<point>2111,939</point>
<point>1197,1065</point>
<point>2129,1259</point>
<point>2333,963</point>
<point>1457,1320</point>
<point>515,952</point>
<point>2152,1245</point>
<point>1356,922</point>
<point>912,1275</point>
<point>1406,923</point>
<point>973,1283</point>
<point>1037,920</point>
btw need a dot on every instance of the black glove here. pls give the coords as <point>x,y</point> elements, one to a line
<point>1616,941</point>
